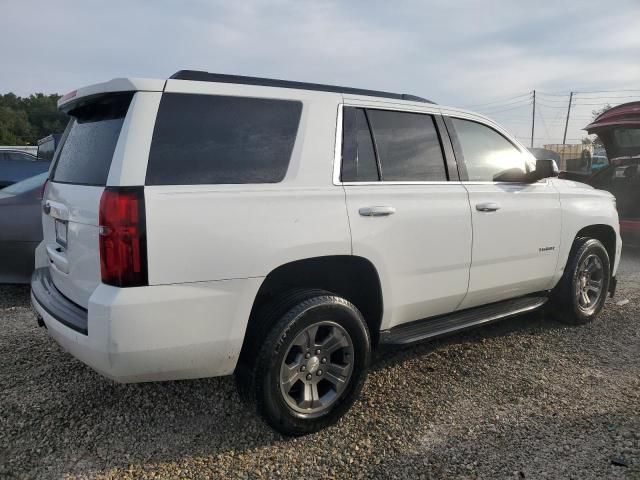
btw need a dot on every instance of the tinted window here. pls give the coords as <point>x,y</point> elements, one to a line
<point>85,156</point>
<point>46,149</point>
<point>488,156</point>
<point>627,137</point>
<point>358,156</point>
<point>207,139</point>
<point>408,146</point>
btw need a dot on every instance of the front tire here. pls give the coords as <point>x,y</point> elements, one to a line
<point>580,295</point>
<point>310,366</point>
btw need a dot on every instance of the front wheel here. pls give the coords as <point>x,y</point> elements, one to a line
<point>580,295</point>
<point>310,366</point>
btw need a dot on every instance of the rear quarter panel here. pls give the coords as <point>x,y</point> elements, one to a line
<point>214,232</point>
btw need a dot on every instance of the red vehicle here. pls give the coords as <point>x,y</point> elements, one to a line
<point>619,130</point>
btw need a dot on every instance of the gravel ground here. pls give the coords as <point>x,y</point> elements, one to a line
<point>526,398</point>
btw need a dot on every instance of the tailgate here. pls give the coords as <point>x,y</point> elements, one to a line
<point>72,199</point>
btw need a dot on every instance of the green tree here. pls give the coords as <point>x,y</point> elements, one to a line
<point>25,120</point>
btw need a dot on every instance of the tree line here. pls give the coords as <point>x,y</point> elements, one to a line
<point>24,120</point>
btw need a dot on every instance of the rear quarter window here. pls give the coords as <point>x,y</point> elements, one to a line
<point>213,139</point>
<point>90,140</point>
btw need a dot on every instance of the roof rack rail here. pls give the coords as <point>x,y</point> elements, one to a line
<point>200,76</point>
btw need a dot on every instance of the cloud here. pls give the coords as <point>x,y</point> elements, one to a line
<point>459,53</point>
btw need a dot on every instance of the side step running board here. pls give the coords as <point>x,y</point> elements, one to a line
<point>442,325</point>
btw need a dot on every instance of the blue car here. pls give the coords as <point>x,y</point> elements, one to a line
<point>16,165</point>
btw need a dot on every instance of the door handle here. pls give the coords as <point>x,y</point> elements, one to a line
<point>376,211</point>
<point>487,207</point>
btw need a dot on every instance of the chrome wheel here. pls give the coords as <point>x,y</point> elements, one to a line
<point>589,282</point>
<point>316,368</point>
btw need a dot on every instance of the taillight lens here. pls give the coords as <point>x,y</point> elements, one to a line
<point>123,243</point>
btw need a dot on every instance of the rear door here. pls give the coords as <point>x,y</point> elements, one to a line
<point>408,213</point>
<point>516,225</point>
<point>72,198</point>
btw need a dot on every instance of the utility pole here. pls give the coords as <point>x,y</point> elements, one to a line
<point>566,123</point>
<point>533,118</point>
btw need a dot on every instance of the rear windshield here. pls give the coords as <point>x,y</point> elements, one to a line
<point>627,137</point>
<point>90,140</point>
<point>211,139</point>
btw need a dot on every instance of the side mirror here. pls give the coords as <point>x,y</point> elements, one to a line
<point>546,168</point>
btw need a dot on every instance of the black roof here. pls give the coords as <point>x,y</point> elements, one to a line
<point>270,82</point>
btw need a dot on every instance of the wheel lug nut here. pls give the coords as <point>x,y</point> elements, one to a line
<point>319,373</point>
<point>303,368</point>
<point>318,352</point>
<point>307,355</point>
<point>324,360</point>
<point>309,376</point>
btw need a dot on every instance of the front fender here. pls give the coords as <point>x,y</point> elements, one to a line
<point>582,207</point>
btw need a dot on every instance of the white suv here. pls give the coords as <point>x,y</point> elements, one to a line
<point>212,224</point>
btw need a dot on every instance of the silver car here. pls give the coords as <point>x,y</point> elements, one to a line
<point>20,228</point>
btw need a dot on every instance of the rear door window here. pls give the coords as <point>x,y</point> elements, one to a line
<point>213,139</point>
<point>408,146</point>
<point>390,146</point>
<point>92,134</point>
<point>359,162</point>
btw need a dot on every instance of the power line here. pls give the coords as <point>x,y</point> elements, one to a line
<point>555,101</point>
<point>613,98</point>
<point>506,109</point>
<point>553,106</point>
<point>606,91</point>
<point>524,101</point>
<point>601,103</point>
<point>528,94</point>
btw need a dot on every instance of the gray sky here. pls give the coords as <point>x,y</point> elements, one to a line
<point>463,53</point>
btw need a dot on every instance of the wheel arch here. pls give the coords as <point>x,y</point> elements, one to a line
<point>605,234</point>
<point>352,277</point>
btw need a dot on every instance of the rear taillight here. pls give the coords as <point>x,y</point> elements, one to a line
<point>123,242</point>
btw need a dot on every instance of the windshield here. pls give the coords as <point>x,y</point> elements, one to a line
<point>26,184</point>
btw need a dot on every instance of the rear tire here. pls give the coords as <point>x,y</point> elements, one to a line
<point>305,371</point>
<point>580,295</point>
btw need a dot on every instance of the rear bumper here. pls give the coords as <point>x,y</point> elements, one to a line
<point>164,332</point>
<point>47,296</point>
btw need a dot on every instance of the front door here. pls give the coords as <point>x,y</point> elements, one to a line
<point>516,225</point>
